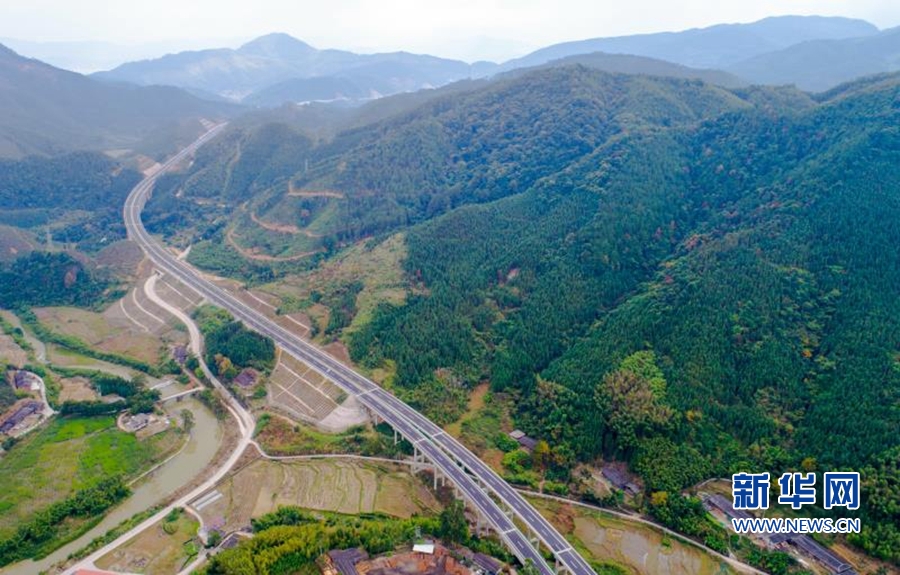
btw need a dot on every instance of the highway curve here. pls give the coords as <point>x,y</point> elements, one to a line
<point>475,480</point>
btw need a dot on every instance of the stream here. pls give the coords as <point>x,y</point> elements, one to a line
<point>205,439</point>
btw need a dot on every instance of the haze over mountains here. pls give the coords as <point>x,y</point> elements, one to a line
<point>822,64</point>
<point>49,111</point>
<point>717,46</point>
<point>814,52</point>
<point>276,58</point>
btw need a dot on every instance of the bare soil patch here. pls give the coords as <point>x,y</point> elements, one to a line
<point>76,389</point>
<point>11,353</point>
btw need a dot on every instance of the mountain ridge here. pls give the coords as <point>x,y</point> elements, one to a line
<point>277,68</point>
<point>48,110</point>
<point>711,47</point>
<point>818,65</point>
<point>276,58</point>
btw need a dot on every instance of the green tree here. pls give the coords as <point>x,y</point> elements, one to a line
<point>453,525</point>
<point>630,406</point>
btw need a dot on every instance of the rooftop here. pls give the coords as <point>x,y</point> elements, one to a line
<point>25,379</point>
<point>719,502</point>
<point>345,560</point>
<point>20,414</point>
<point>179,353</point>
<point>246,378</point>
<point>824,556</point>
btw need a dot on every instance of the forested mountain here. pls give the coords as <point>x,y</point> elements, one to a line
<point>253,71</point>
<point>278,68</point>
<point>469,146</point>
<point>49,111</point>
<point>717,46</point>
<point>630,64</point>
<point>749,260</point>
<point>497,141</point>
<point>693,279</point>
<point>75,198</point>
<point>41,279</point>
<point>822,64</point>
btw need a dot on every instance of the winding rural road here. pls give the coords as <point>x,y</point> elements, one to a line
<point>477,482</point>
<point>243,418</point>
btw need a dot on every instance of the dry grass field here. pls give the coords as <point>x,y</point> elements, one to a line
<point>11,353</point>
<point>76,389</point>
<point>108,331</point>
<point>338,485</point>
<point>163,549</point>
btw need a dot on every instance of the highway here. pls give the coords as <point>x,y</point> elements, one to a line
<point>474,479</point>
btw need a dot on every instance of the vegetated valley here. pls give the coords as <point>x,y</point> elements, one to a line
<point>692,279</point>
<point>689,279</point>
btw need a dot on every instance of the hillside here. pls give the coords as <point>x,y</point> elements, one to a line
<point>277,68</point>
<point>49,111</point>
<point>823,64</point>
<point>717,46</point>
<point>474,145</point>
<point>691,279</point>
<point>745,261</point>
<point>74,199</point>
<point>640,65</point>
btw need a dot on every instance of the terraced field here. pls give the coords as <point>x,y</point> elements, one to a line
<point>338,485</point>
<point>635,547</point>
<point>122,329</point>
<point>10,352</point>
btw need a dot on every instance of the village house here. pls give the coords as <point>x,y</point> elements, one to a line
<point>620,479</point>
<point>527,443</point>
<point>27,381</point>
<point>20,414</point>
<point>246,378</point>
<point>180,354</point>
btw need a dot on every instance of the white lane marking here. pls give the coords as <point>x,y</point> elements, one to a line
<point>186,298</point>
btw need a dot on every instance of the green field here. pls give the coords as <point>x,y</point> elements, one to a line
<point>68,455</point>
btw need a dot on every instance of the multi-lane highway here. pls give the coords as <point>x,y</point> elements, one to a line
<point>475,480</point>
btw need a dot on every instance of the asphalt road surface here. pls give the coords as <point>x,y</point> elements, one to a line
<point>475,480</point>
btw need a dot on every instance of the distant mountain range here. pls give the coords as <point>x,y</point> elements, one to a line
<point>818,65</point>
<point>275,59</point>
<point>719,46</point>
<point>48,111</point>
<point>813,52</point>
<point>87,56</point>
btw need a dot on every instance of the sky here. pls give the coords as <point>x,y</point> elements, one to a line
<point>465,29</point>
